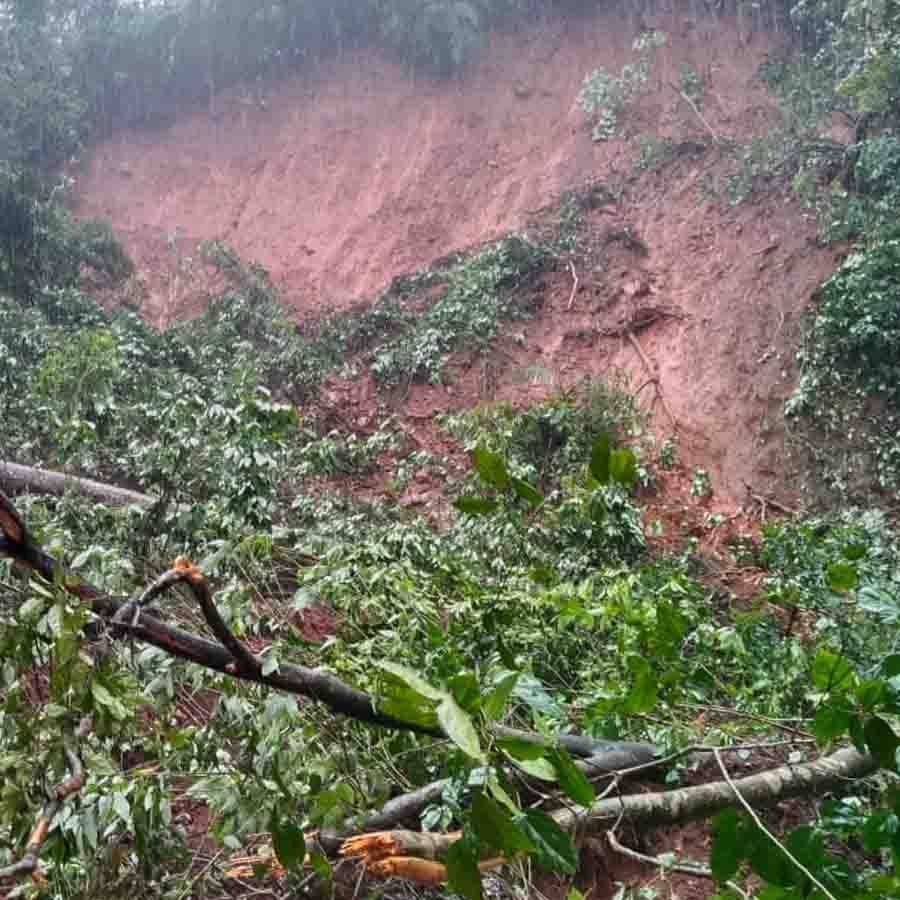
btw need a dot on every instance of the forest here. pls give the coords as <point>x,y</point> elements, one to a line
<point>256,644</point>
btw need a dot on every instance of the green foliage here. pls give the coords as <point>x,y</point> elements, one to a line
<point>655,152</point>
<point>847,395</point>
<point>41,246</point>
<point>543,441</point>
<point>691,84</point>
<point>814,564</point>
<point>480,292</point>
<point>604,97</point>
<point>701,486</point>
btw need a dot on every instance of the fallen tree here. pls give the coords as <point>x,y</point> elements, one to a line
<point>375,840</point>
<point>15,479</point>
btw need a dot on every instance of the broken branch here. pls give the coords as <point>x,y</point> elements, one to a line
<point>697,112</point>
<point>72,784</point>
<point>574,286</point>
<point>658,808</point>
<point>653,376</point>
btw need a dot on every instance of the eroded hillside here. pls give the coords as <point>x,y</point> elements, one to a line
<point>337,182</point>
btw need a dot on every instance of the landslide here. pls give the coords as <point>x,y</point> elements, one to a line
<point>347,176</point>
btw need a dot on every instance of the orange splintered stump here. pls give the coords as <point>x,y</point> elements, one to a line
<point>183,564</point>
<point>379,844</point>
<point>411,868</point>
<point>371,847</point>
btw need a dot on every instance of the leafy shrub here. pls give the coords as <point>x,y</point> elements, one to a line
<point>849,388</point>
<point>480,292</point>
<point>543,441</point>
<point>42,246</point>
<point>603,97</point>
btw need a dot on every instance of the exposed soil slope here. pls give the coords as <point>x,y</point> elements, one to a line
<point>358,172</point>
<point>348,177</point>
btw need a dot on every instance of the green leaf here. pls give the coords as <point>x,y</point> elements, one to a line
<point>288,842</point>
<point>495,702</point>
<point>879,602</point>
<point>727,849</point>
<point>831,672</point>
<point>532,692</point>
<point>466,691</point>
<point>768,861</point>
<point>419,685</point>
<point>842,577</point>
<point>463,875</point>
<point>270,664</point>
<point>540,768</point>
<point>623,467</point>
<point>600,453</point>
<point>870,693</point>
<point>321,865</point>
<point>524,490</point>
<point>643,694</point>
<point>854,552</point>
<point>555,849</point>
<point>476,506</point>
<point>102,697</point>
<point>31,609</point>
<point>401,701</point>
<point>520,749</point>
<point>890,666</point>
<point>458,725</point>
<point>571,779</point>
<point>830,722</point>
<point>494,825</point>
<point>882,742</point>
<point>491,468</point>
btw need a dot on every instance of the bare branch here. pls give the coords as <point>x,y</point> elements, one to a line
<point>759,824</point>
<point>693,869</point>
<point>72,784</point>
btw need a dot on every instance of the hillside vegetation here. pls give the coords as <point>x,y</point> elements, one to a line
<point>323,648</point>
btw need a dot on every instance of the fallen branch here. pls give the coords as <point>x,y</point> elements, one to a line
<point>635,752</point>
<point>640,318</point>
<point>611,759</point>
<point>652,809</point>
<point>765,501</point>
<point>292,679</point>
<point>653,376</point>
<point>697,112</point>
<point>28,863</point>
<point>230,657</point>
<point>14,477</point>
<point>574,286</point>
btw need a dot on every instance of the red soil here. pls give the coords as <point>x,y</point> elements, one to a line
<point>352,175</point>
<point>357,173</point>
<point>342,178</point>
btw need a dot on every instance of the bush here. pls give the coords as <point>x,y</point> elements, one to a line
<point>849,388</point>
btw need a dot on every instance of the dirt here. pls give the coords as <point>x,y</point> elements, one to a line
<point>341,179</point>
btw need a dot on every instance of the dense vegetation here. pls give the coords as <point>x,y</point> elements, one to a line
<point>539,603</point>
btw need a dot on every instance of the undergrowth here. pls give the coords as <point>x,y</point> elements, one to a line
<point>846,406</point>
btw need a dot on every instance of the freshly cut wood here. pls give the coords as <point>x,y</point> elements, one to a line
<point>15,478</point>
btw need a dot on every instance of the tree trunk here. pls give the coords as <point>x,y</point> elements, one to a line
<point>15,479</point>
